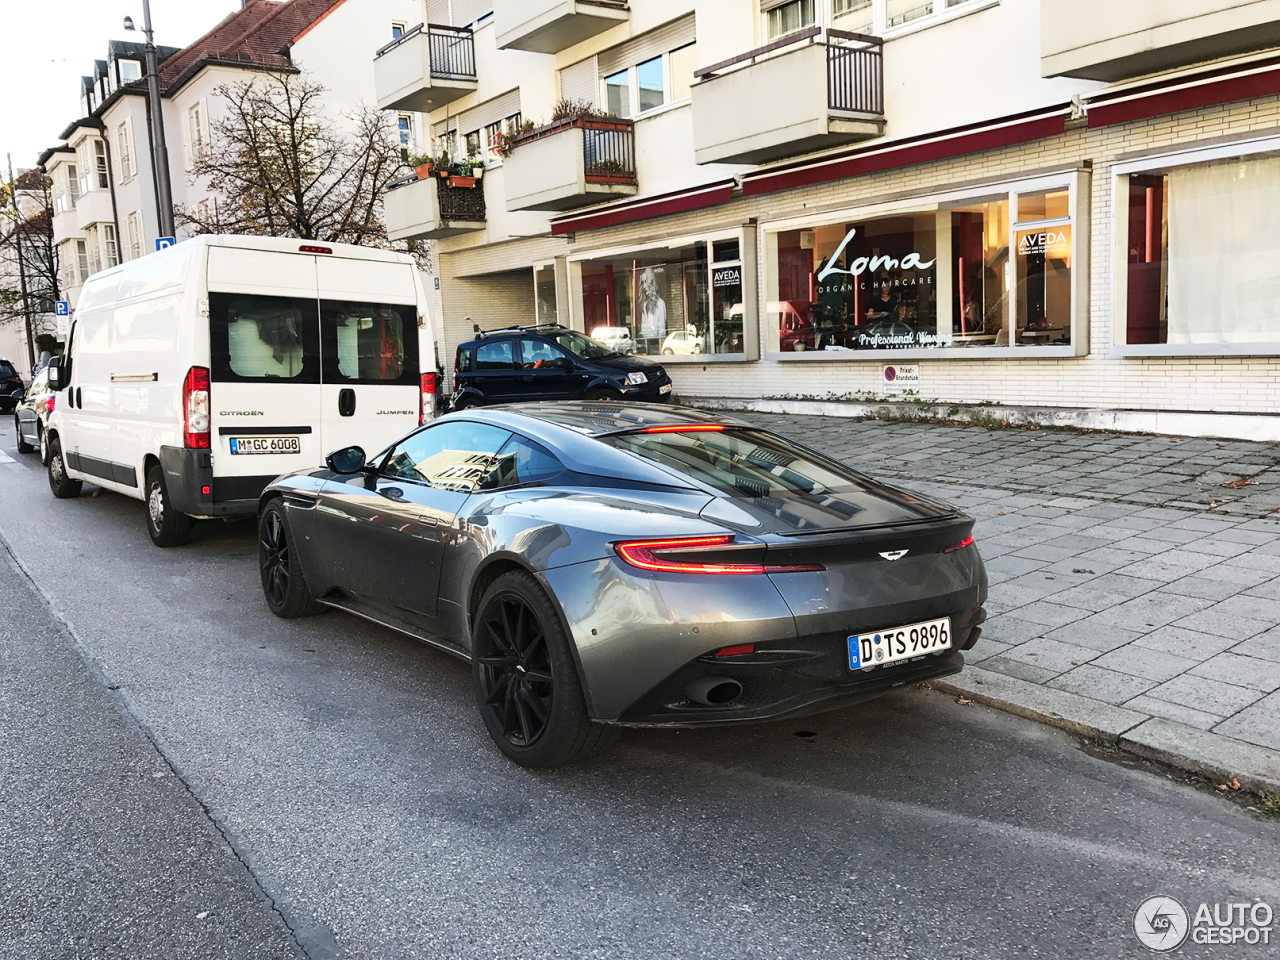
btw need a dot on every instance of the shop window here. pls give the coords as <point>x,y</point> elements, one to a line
<point>544,288</point>
<point>1203,253</point>
<point>961,274</point>
<point>669,301</point>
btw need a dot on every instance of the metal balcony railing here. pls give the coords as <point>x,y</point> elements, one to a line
<point>855,68</point>
<point>608,146</point>
<point>459,204</point>
<point>452,50</point>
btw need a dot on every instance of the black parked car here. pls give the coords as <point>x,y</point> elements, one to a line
<point>32,413</point>
<point>11,386</point>
<point>550,362</point>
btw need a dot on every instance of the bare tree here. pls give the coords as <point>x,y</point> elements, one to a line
<point>280,167</point>
<point>28,225</point>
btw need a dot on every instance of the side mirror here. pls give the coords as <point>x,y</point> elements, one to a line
<point>57,378</point>
<point>562,363</point>
<point>348,460</point>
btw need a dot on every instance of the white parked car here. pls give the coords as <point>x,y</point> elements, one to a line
<point>682,341</point>
<point>195,376</point>
<point>617,339</point>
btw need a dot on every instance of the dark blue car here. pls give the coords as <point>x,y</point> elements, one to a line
<point>550,362</point>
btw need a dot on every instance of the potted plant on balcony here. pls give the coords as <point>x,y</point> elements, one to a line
<point>464,177</point>
<point>422,164</point>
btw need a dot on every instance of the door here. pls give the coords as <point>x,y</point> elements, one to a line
<point>264,368</point>
<point>371,387</point>
<point>386,534</point>
<point>495,371</point>
<point>86,437</point>
<point>546,372</point>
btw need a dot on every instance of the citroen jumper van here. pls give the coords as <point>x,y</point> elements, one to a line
<point>196,375</point>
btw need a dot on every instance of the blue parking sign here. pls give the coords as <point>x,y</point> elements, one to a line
<point>164,243</point>
<point>61,308</point>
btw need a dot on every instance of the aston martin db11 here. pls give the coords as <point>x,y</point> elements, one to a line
<point>604,565</point>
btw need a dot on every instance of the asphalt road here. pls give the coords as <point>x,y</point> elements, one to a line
<point>326,785</point>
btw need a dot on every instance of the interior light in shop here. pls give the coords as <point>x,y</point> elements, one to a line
<point>808,239</point>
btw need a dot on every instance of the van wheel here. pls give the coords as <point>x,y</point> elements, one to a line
<point>283,585</point>
<point>168,527</point>
<point>23,446</point>
<point>63,487</point>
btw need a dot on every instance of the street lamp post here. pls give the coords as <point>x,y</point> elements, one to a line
<point>159,150</point>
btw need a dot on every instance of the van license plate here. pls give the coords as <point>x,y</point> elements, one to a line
<point>265,445</point>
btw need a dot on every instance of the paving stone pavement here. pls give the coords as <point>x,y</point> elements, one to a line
<point>1121,569</point>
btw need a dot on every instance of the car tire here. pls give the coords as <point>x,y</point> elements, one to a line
<point>63,487</point>
<point>284,586</point>
<point>465,403</point>
<point>42,440</point>
<point>167,527</point>
<point>23,446</point>
<point>526,682</point>
<point>601,395</point>
<point>668,352</point>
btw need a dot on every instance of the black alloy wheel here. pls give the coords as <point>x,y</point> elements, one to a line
<point>283,585</point>
<point>526,682</point>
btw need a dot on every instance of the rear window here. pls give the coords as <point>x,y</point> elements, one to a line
<point>369,342</point>
<point>6,369</point>
<point>260,339</point>
<point>743,463</point>
<point>462,362</point>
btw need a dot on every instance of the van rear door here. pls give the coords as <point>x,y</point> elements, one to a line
<point>369,341</point>
<point>264,394</point>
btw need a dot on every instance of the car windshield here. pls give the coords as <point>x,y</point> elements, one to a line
<point>743,463</point>
<point>584,348</point>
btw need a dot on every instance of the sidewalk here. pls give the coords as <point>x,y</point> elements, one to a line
<point>1135,596</point>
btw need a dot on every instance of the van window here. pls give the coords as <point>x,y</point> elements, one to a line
<point>494,356</point>
<point>369,342</point>
<point>259,339</point>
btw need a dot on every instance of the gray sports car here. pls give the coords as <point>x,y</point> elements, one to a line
<point>604,565</point>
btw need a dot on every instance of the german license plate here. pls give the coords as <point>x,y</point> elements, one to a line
<point>265,445</point>
<point>883,647</point>
<point>665,388</point>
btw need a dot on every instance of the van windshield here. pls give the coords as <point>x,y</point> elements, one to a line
<point>584,348</point>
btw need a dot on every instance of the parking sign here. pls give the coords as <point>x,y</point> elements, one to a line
<point>61,308</point>
<point>164,243</point>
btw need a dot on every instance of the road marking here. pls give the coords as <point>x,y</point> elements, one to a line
<point>5,458</point>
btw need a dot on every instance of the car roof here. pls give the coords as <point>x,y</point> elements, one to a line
<point>597,419</point>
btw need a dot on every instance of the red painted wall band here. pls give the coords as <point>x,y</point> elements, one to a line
<point>1187,98</point>
<point>646,211</point>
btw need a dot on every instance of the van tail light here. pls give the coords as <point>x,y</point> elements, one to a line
<point>49,403</point>
<point>657,555</point>
<point>427,398</point>
<point>966,542</point>
<point>195,409</point>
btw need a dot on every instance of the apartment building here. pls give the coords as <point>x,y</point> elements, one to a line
<point>104,180</point>
<point>1063,203</point>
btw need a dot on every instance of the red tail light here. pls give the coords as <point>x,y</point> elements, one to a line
<point>426,397</point>
<point>966,542</point>
<point>195,409</point>
<point>644,554</point>
<point>738,651</point>
<point>685,428</point>
<point>306,248</point>
<point>49,403</point>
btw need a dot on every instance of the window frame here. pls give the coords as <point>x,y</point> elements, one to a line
<point>133,226</point>
<point>124,149</point>
<point>110,245</point>
<point>633,86</point>
<point>1075,179</point>
<point>824,18</point>
<point>220,369</point>
<point>1160,161</point>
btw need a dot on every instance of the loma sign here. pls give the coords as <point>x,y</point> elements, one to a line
<point>911,261</point>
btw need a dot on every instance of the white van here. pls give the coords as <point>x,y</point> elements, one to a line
<point>195,376</point>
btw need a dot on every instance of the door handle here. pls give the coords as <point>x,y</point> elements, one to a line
<point>428,521</point>
<point>346,402</point>
<point>527,379</point>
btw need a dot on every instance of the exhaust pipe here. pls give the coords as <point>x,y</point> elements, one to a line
<point>713,691</point>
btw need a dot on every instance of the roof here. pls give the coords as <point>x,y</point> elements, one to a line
<point>259,33</point>
<point>45,157</point>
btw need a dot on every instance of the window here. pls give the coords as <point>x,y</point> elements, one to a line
<point>196,133</point>
<point>110,250</point>
<point>617,90</point>
<point>91,156</point>
<point>519,462</point>
<point>683,62</point>
<point>680,299</point>
<point>93,250</point>
<point>982,271</point>
<point>853,16</point>
<point>205,214</point>
<point>651,84</point>
<point>100,164</point>
<point>73,183</point>
<point>369,342</point>
<point>404,126</point>
<point>473,144</point>
<point>789,18</point>
<point>130,70</point>
<point>495,355</point>
<point>538,354</point>
<point>133,224</point>
<point>544,291</point>
<point>260,339</point>
<point>124,151</point>
<point>82,260</point>
<point>397,29</point>
<point>1203,252</point>
<point>451,455</point>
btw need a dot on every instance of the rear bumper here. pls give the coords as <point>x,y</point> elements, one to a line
<point>188,473</point>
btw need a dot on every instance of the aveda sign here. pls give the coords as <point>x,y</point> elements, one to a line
<point>861,265</point>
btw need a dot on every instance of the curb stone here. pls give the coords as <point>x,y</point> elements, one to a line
<point>1196,751</point>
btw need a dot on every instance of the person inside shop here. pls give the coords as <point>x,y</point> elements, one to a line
<point>884,305</point>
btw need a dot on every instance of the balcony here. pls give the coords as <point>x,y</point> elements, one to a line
<point>94,207</point>
<point>571,163</point>
<point>431,209</point>
<point>430,66</point>
<point>794,96</point>
<point>1103,40</point>
<point>549,26</point>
